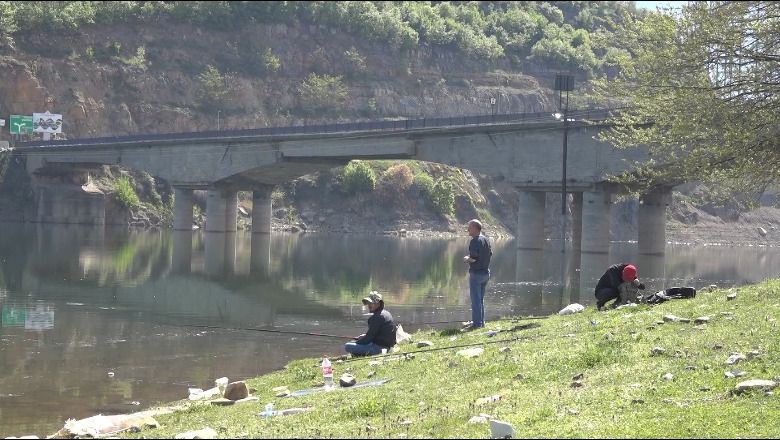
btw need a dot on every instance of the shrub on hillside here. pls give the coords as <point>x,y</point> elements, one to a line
<point>358,176</point>
<point>124,193</point>
<point>441,198</point>
<point>395,181</point>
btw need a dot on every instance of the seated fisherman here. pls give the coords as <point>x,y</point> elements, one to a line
<point>381,329</point>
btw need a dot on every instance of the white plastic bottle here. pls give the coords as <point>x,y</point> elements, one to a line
<point>327,372</point>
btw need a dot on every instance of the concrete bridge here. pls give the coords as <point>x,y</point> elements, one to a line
<point>526,152</point>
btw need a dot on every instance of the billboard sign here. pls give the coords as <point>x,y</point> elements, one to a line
<point>14,316</point>
<point>21,124</point>
<point>47,123</point>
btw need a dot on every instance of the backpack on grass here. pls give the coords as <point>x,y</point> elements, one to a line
<point>670,293</point>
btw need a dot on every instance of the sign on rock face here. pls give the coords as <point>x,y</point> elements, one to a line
<point>47,123</point>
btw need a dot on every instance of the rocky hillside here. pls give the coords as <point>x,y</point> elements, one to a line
<point>140,79</point>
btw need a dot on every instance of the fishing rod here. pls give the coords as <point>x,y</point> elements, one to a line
<point>459,321</point>
<point>255,329</point>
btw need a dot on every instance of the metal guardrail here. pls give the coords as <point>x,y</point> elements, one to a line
<point>383,125</point>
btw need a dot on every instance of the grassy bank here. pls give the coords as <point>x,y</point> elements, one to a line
<point>619,373</point>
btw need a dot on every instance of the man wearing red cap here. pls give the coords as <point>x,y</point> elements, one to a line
<point>618,282</point>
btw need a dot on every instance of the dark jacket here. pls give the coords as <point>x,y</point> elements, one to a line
<point>480,250</point>
<point>381,329</point>
<point>613,278</point>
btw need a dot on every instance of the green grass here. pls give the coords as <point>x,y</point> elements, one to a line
<point>623,392</point>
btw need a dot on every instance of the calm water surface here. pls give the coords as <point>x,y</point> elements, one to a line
<point>105,321</point>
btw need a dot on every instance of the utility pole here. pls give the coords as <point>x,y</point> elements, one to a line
<point>564,83</point>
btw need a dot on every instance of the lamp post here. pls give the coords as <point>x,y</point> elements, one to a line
<point>564,83</point>
<point>218,112</point>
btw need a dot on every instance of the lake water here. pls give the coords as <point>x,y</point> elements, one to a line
<point>106,321</point>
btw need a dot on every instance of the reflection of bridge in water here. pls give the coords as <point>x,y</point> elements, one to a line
<point>210,295</point>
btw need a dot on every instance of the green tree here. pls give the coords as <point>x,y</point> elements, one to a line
<point>706,82</point>
<point>322,93</point>
<point>7,18</point>
<point>270,61</point>
<point>213,89</point>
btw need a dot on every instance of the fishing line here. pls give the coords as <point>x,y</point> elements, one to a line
<point>497,318</point>
<point>254,329</point>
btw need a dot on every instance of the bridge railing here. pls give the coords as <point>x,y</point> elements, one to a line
<point>380,125</point>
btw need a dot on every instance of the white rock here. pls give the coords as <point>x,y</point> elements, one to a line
<point>201,433</point>
<point>756,384</point>
<point>500,429</point>
<point>572,308</point>
<point>735,358</point>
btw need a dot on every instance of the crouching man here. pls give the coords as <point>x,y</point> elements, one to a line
<point>620,283</point>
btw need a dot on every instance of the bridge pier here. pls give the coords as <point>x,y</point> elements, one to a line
<point>260,259</point>
<point>652,222</point>
<point>66,198</point>
<point>221,210</point>
<point>530,220</point>
<point>261,209</point>
<point>596,206</point>
<point>182,209</point>
<point>221,216</point>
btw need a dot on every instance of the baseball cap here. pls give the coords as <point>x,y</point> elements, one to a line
<point>629,273</point>
<point>373,297</point>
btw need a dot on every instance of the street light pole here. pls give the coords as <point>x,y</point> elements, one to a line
<point>564,83</point>
<point>218,112</point>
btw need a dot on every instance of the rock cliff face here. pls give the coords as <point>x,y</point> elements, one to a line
<point>143,79</point>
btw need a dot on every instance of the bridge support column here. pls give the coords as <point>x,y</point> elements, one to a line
<point>652,222</point>
<point>231,211</point>
<point>182,209</point>
<point>221,207</point>
<point>261,209</point>
<point>221,214</point>
<point>260,260</point>
<point>596,207</point>
<point>530,220</point>
<point>67,200</point>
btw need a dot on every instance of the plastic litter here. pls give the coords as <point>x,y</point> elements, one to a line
<point>471,352</point>
<point>572,308</point>
<point>269,410</point>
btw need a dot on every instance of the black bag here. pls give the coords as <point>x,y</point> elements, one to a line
<point>671,293</point>
<point>681,292</point>
<point>657,297</point>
